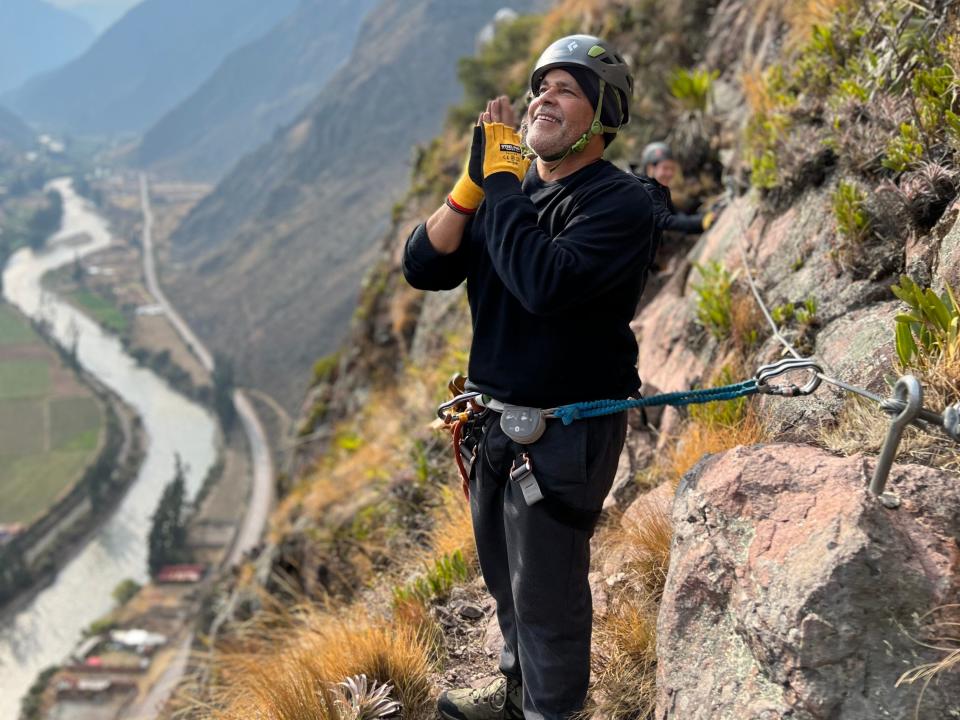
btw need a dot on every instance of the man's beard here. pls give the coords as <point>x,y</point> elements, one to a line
<point>550,153</point>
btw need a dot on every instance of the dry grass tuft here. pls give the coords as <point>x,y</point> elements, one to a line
<point>802,15</point>
<point>625,663</point>
<point>941,630</point>
<point>642,545</point>
<point>746,321</point>
<point>757,92</point>
<point>625,638</point>
<point>699,439</point>
<point>862,427</point>
<point>454,528</point>
<point>287,670</point>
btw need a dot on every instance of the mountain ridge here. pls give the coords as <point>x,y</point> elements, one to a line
<point>36,37</point>
<point>132,74</point>
<point>258,88</point>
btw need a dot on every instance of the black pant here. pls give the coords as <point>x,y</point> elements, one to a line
<point>535,564</point>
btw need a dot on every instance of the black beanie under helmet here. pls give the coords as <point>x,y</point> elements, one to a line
<point>611,115</point>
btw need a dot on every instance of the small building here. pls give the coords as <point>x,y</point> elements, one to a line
<point>140,641</point>
<point>9,531</point>
<point>181,573</point>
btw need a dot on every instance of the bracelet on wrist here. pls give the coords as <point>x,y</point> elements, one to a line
<point>459,209</point>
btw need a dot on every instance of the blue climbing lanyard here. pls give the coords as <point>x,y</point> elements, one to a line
<point>596,408</point>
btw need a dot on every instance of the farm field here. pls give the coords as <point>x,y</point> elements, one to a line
<point>50,424</point>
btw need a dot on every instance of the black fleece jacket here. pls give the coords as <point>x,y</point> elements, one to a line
<point>554,272</point>
<point>665,213</point>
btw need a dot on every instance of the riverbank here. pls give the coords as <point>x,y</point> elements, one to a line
<point>214,529</point>
<point>47,627</point>
<point>37,553</point>
<point>132,684</point>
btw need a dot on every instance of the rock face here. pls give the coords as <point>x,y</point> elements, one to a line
<point>791,589</point>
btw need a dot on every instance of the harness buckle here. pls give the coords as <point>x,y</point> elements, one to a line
<point>522,474</point>
<point>767,372</point>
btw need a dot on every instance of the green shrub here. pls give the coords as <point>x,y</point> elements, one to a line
<point>125,590</point>
<point>325,368</point>
<point>807,313</point>
<point>904,150</point>
<point>783,314</point>
<point>849,209</point>
<point>100,627</point>
<point>724,413</point>
<point>349,441</point>
<point>436,583</point>
<point>714,302</point>
<point>488,74</point>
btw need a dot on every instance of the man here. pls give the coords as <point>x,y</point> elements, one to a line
<point>659,166</point>
<point>554,269</point>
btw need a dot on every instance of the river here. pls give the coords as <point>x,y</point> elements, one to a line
<point>45,630</point>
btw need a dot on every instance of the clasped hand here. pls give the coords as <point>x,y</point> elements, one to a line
<point>497,146</point>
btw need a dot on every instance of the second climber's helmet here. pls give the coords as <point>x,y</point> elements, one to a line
<point>654,153</point>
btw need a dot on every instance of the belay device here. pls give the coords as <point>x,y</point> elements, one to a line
<point>523,425</point>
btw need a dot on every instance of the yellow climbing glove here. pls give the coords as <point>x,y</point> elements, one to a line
<point>708,219</point>
<point>500,151</point>
<point>467,195</point>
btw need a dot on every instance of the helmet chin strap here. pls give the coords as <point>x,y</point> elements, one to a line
<point>596,128</point>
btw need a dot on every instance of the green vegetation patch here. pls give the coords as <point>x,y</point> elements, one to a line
<point>21,428</point>
<point>101,310</point>
<point>24,379</point>
<point>14,330</point>
<point>75,423</point>
<point>29,485</point>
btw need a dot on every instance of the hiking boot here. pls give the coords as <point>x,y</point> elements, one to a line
<point>500,700</point>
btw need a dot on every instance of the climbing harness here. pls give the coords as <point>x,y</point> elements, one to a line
<point>525,425</point>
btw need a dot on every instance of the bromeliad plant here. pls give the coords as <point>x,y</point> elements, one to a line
<point>691,88</point>
<point>928,333</point>
<point>359,700</point>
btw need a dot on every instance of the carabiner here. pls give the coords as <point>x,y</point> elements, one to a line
<point>460,399</point>
<point>767,372</point>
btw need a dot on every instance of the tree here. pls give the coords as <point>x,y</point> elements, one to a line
<point>168,532</point>
<point>125,590</point>
<point>45,221</point>
<point>223,384</point>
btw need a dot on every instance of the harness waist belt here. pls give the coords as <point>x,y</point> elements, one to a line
<point>497,406</point>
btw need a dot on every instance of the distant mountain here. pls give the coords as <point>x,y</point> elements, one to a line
<point>14,133</point>
<point>36,37</point>
<point>150,60</point>
<point>268,266</point>
<point>258,88</point>
<point>102,14</point>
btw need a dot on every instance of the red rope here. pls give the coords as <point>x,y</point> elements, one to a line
<point>464,477</point>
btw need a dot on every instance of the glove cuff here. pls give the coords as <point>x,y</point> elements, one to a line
<point>465,197</point>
